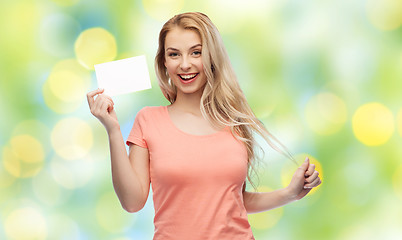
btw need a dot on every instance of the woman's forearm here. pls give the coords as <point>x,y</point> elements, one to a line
<point>125,181</point>
<point>256,202</point>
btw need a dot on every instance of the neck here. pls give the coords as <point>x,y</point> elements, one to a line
<point>189,103</point>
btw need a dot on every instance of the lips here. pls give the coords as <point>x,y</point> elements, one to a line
<point>187,77</point>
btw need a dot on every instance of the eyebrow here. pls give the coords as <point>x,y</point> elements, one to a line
<point>174,49</point>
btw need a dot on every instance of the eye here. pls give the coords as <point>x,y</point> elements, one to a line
<point>197,53</point>
<point>173,54</point>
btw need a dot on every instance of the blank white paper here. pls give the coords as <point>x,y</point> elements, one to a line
<point>123,76</point>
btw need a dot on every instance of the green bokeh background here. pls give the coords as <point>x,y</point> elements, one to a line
<point>306,67</point>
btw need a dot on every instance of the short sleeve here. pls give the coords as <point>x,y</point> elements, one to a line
<point>136,135</point>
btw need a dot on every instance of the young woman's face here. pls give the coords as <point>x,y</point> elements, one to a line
<point>183,60</point>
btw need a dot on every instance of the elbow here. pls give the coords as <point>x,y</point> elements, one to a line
<point>132,208</point>
<point>131,202</point>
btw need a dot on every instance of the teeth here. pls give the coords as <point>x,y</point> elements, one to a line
<point>187,76</point>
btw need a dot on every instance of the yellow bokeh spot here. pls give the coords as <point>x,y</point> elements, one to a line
<point>326,113</point>
<point>36,129</point>
<point>56,104</point>
<point>65,89</point>
<point>25,224</point>
<point>72,138</point>
<point>397,182</point>
<point>69,81</point>
<point>373,124</point>
<point>399,122</point>
<point>267,219</point>
<point>289,169</point>
<point>94,46</point>
<point>385,14</point>
<point>27,148</point>
<point>23,157</point>
<point>111,216</point>
<point>163,10</point>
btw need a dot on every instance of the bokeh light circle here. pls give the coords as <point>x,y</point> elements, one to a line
<point>69,81</point>
<point>56,104</point>
<point>36,129</point>
<point>373,124</point>
<point>163,10</point>
<point>27,148</point>
<point>26,224</point>
<point>94,46</point>
<point>110,214</point>
<point>267,219</point>
<point>72,138</point>
<point>65,89</point>
<point>385,14</point>
<point>287,171</point>
<point>24,156</point>
<point>325,113</point>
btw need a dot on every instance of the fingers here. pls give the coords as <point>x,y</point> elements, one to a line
<point>310,170</point>
<point>110,105</point>
<point>300,172</point>
<point>101,105</point>
<point>108,97</point>
<point>90,95</point>
<point>315,183</point>
<point>106,105</point>
<point>312,177</point>
<point>305,165</point>
<point>313,180</point>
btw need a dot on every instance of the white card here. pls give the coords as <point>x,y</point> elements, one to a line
<point>123,76</point>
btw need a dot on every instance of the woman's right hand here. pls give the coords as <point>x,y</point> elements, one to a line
<point>102,108</point>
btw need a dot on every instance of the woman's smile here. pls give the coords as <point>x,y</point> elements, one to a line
<point>188,78</point>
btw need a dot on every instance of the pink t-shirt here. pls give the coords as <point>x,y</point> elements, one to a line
<point>196,179</point>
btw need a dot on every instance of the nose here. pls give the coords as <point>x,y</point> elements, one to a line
<point>185,63</point>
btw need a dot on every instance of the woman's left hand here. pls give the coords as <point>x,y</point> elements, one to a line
<point>304,179</point>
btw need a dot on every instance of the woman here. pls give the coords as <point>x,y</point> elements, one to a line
<point>199,150</point>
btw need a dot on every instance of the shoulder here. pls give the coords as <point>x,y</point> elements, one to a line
<point>150,111</point>
<point>149,116</point>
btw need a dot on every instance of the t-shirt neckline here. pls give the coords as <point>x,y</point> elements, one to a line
<point>171,123</point>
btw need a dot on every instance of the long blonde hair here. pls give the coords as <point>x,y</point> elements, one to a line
<point>223,102</point>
